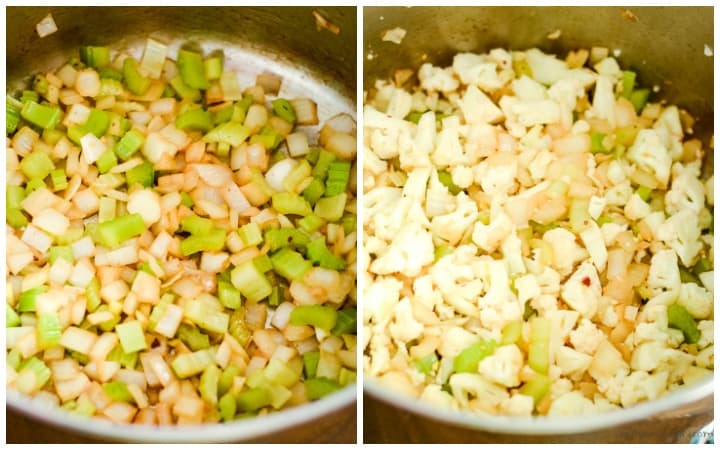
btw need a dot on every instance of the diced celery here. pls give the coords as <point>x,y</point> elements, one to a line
<point>639,98</point>
<point>314,191</point>
<point>131,335</point>
<point>316,388</point>
<point>680,319</point>
<point>29,96</point>
<point>37,165</point>
<point>196,225</point>
<point>195,119</point>
<point>110,74</point>
<point>703,265</point>
<point>277,296</point>
<point>251,282</point>
<point>319,316</point>
<point>318,253</point>
<point>11,317</point>
<point>291,203</point>
<point>85,407</point>
<point>186,200</point>
<point>227,377</point>
<point>92,294</point>
<point>34,184</point>
<point>232,133</point>
<point>331,208</point>
<point>223,115</point>
<point>95,57</point>
<point>279,373</point>
<point>310,363</point>
<point>254,399</point>
<point>212,241</point>
<point>322,165</point>
<point>126,360</point>
<point>213,67</point>
<point>188,364</point>
<point>596,143</point>
<point>97,123</point>
<point>250,234</point>
<point>286,237</point>
<point>268,137</point>
<point>15,218</point>
<point>426,364</point>
<point>346,321</point>
<point>184,91</point>
<point>49,330</point>
<point>539,345</point>
<point>311,223</point>
<point>628,83</point>
<point>284,110</point>
<point>446,179</point>
<point>129,144</point>
<point>644,192</point>
<point>12,116</point>
<point>227,407</point>
<point>206,318</point>
<point>346,376</point>
<point>13,359</point>
<point>118,391</point>
<point>228,296</point>
<point>143,174</point>
<point>537,388</point>
<point>192,337</point>
<point>106,161</point>
<point>209,384</point>
<point>511,332</point>
<point>114,232</point>
<point>14,195</point>
<point>468,359</point>
<point>26,302</point>
<point>192,70</point>
<point>41,371</point>
<point>134,80</point>
<point>59,179</point>
<point>41,115</point>
<point>263,263</point>
<point>338,175</point>
<point>290,264</point>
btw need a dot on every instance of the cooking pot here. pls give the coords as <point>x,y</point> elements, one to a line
<point>668,47</point>
<point>316,62</point>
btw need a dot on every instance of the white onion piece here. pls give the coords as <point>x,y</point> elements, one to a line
<point>341,123</point>
<point>234,197</point>
<point>212,174</point>
<point>46,26</point>
<point>278,172</point>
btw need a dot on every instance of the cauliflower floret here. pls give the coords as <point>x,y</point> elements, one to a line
<point>503,366</point>
<point>682,233</point>
<point>687,192</point>
<point>437,79</point>
<point>381,296</point>
<point>488,237</point>
<point>462,176</point>
<point>594,242</point>
<point>586,337</point>
<point>448,150</point>
<point>416,184</point>
<point>530,113</point>
<point>438,200</point>
<point>424,294</point>
<point>512,254</point>
<point>571,404</point>
<point>434,395</point>
<point>707,279</point>
<point>566,251</point>
<point>527,287</point>
<point>527,89</point>
<point>647,356</point>
<point>582,290</point>
<point>705,357</point>
<point>549,281</point>
<point>696,299</point>
<point>517,405</point>
<point>408,253</point>
<point>616,172</point>
<point>610,231</point>
<point>709,190</point>
<point>639,386</point>
<point>649,153</point>
<point>572,362</point>
<point>454,341</point>
<point>612,386</point>
<point>477,70</point>
<point>455,278</point>
<point>596,206</point>
<point>706,328</point>
<point>499,305</point>
<point>544,303</point>
<point>540,163</point>
<point>607,361</point>
<point>487,394</point>
<point>603,105</point>
<point>478,108</point>
<point>400,104</point>
<point>664,273</point>
<point>546,69</point>
<point>619,194</point>
<point>453,226</point>
<point>637,208</point>
<point>405,328</point>
<point>424,142</point>
<point>497,180</point>
<point>372,163</point>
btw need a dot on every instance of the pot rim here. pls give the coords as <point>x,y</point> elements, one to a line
<point>544,425</point>
<point>239,430</point>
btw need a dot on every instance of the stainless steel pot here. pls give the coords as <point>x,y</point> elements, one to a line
<point>666,46</point>
<point>313,62</point>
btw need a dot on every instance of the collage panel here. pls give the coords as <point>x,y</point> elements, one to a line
<point>537,224</point>
<point>181,224</point>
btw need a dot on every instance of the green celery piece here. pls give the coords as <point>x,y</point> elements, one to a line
<point>311,223</point>
<point>196,225</point>
<point>277,296</point>
<point>85,407</point>
<point>158,312</point>
<point>521,67</point>
<point>687,276</point>
<point>108,73</point>
<point>188,364</point>
<point>13,359</point>
<point>253,399</point>
<point>290,264</point>
<point>209,384</point>
<point>241,108</point>
<point>132,336</point>
<point>225,381</point>
<point>346,322</point>
<point>442,251</point>
<point>596,143</point>
<point>425,364</point>
<point>537,388</point>
<point>250,234</point>
<point>26,302</point>
<point>184,91</point>
<point>98,123</point>
<point>291,203</point>
<point>227,407</point>
<point>106,161</point>
<point>320,387</point>
<point>61,251</point>
<point>331,208</point>
<point>118,392</point>
<point>286,237</point>
<point>228,296</point>
<point>192,70</point>
<point>126,360</point>
<point>114,232</point>
<point>446,179</point>
<point>284,110</point>
<point>313,155</point>
<point>346,376</point>
<point>59,179</point>
<point>186,200</point>
<point>310,363</point>
<point>42,372</point>
<point>251,282</point>
<point>14,195</point>
<point>111,87</point>
<point>296,176</point>
<point>41,85</point>
<point>322,165</point>
<point>414,117</point>
<point>41,115</point>
<point>213,67</point>
<point>37,165</point>
<point>318,316</point>
<point>703,265</point>
<point>628,83</point>
<point>49,330</point>
<point>12,115</point>
<point>318,253</point>
<point>134,80</point>
<point>15,218</point>
<point>539,345</point>
<point>232,133</point>
<point>511,332</point>
<point>129,144</point>
<point>223,115</point>
<point>95,57</point>
<point>11,317</point>
<point>639,98</point>
<point>212,241</point>
<point>92,294</point>
<point>338,175</point>
<point>468,359</point>
<point>52,137</point>
<point>35,184</point>
<point>314,191</point>
<point>263,263</point>
<point>29,96</point>
<point>143,174</point>
<point>195,119</point>
<point>206,318</point>
<point>192,337</point>
<point>680,319</point>
<point>267,137</point>
<point>278,373</point>
<point>626,135</point>
<point>644,192</point>
<point>168,92</point>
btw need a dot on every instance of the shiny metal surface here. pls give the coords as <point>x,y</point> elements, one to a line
<point>653,46</point>
<point>282,40</point>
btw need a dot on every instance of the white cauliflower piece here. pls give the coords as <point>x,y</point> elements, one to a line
<point>424,294</point>
<point>607,361</point>
<point>539,165</point>
<point>480,141</point>
<point>467,385</point>
<point>477,70</point>
<point>647,356</point>
<point>586,337</point>
<point>594,242</point>
<point>582,290</point>
<point>687,192</point>
<point>498,180</point>
<point>664,274</point>
<point>462,176</point>
<point>448,150</point>
<point>455,340</point>
<point>527,287</point>
<point>499,305</point>
<point>707,278</point>
<point>453,226</point>
<point>640,386</point>
<point>649,153</point>
<point>527,89</point>
<point>503,366</point>
<point>546,69</point>
<point>682,233</point>
<point>696,299</point>
<point>455,279</point>
<point>438,200</point>
<point>572,362</point>
<point>408,253</point>
<point>437,79</point>
<point>566,251</point>
<point>705,357</point>
<point>571,404</point>
<point>596,206</point>
<point>616,172</point>
<point>400,104</point>
<point>531,113</point>
<point>637,208</point>
<point>619,194</point>
<point>381,295</point>
<point>706,328</point>
<point>611,386</point>
<point>517,405</point>
<point>610,231</point>
<point>488,237</point>
<point>603,105</point>
<point>372,163</point>
<point>405,328</point>
<point>434,395</point>
<point>512,254</point>
<point>478,108</point>
<point>416,184</point>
